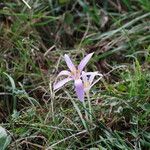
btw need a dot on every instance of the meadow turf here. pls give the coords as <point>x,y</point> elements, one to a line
<point>35,35</point>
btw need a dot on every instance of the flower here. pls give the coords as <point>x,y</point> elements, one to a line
<point>88,79</point>
<point>74,74</point>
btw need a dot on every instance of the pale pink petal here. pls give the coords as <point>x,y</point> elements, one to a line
<point>84,76</point>
<point>69,63</point>
<point>79,89</point>
<point>89,79</point>
<point>88,73</point>
<point>92,76</point>
<point>84,61</point>
<point>64,73</point>
<point>59,84</point>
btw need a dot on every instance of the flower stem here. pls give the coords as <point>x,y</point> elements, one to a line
<point>80,114</point>
<point>90,108</point>
<point>78,111</point>
<point>85,110</point>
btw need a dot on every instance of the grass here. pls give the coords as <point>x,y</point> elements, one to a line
<point>32,44</point>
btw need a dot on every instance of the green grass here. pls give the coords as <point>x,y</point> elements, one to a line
<point>32,44</point>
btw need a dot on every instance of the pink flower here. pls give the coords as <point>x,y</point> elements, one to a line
<point>74,74</point>
<point>88,80</point>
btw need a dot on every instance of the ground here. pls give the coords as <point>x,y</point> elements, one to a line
<point>35,35</point>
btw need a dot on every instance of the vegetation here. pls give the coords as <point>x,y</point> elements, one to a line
<point>35,35</point>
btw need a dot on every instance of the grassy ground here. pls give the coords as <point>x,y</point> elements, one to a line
<point>35,35</point>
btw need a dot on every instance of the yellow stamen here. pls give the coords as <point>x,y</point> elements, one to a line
<point>86,84</point>
<point>75,74</point>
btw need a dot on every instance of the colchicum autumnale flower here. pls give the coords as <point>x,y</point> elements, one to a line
<point>88,80</point>
<point>74,74</point>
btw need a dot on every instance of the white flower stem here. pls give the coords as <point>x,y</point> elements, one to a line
<point>85,110</point>
<point>90,108</point>
<point>79,113</point>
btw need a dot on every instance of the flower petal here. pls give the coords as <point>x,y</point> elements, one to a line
<point>84,61</point>
<point>69,63</point>
<point>79,89</point>
<point>88,78</point>
<point>64,73</point>
<point>61,83</point>
<point>92,77</point>
<point>84,76</point>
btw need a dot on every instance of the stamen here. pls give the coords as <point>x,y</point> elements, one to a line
<point>86,84</point>
<point>75,74</point>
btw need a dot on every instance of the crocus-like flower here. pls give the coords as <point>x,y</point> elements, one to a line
<point>88,80</point>
<point>74,74</point>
